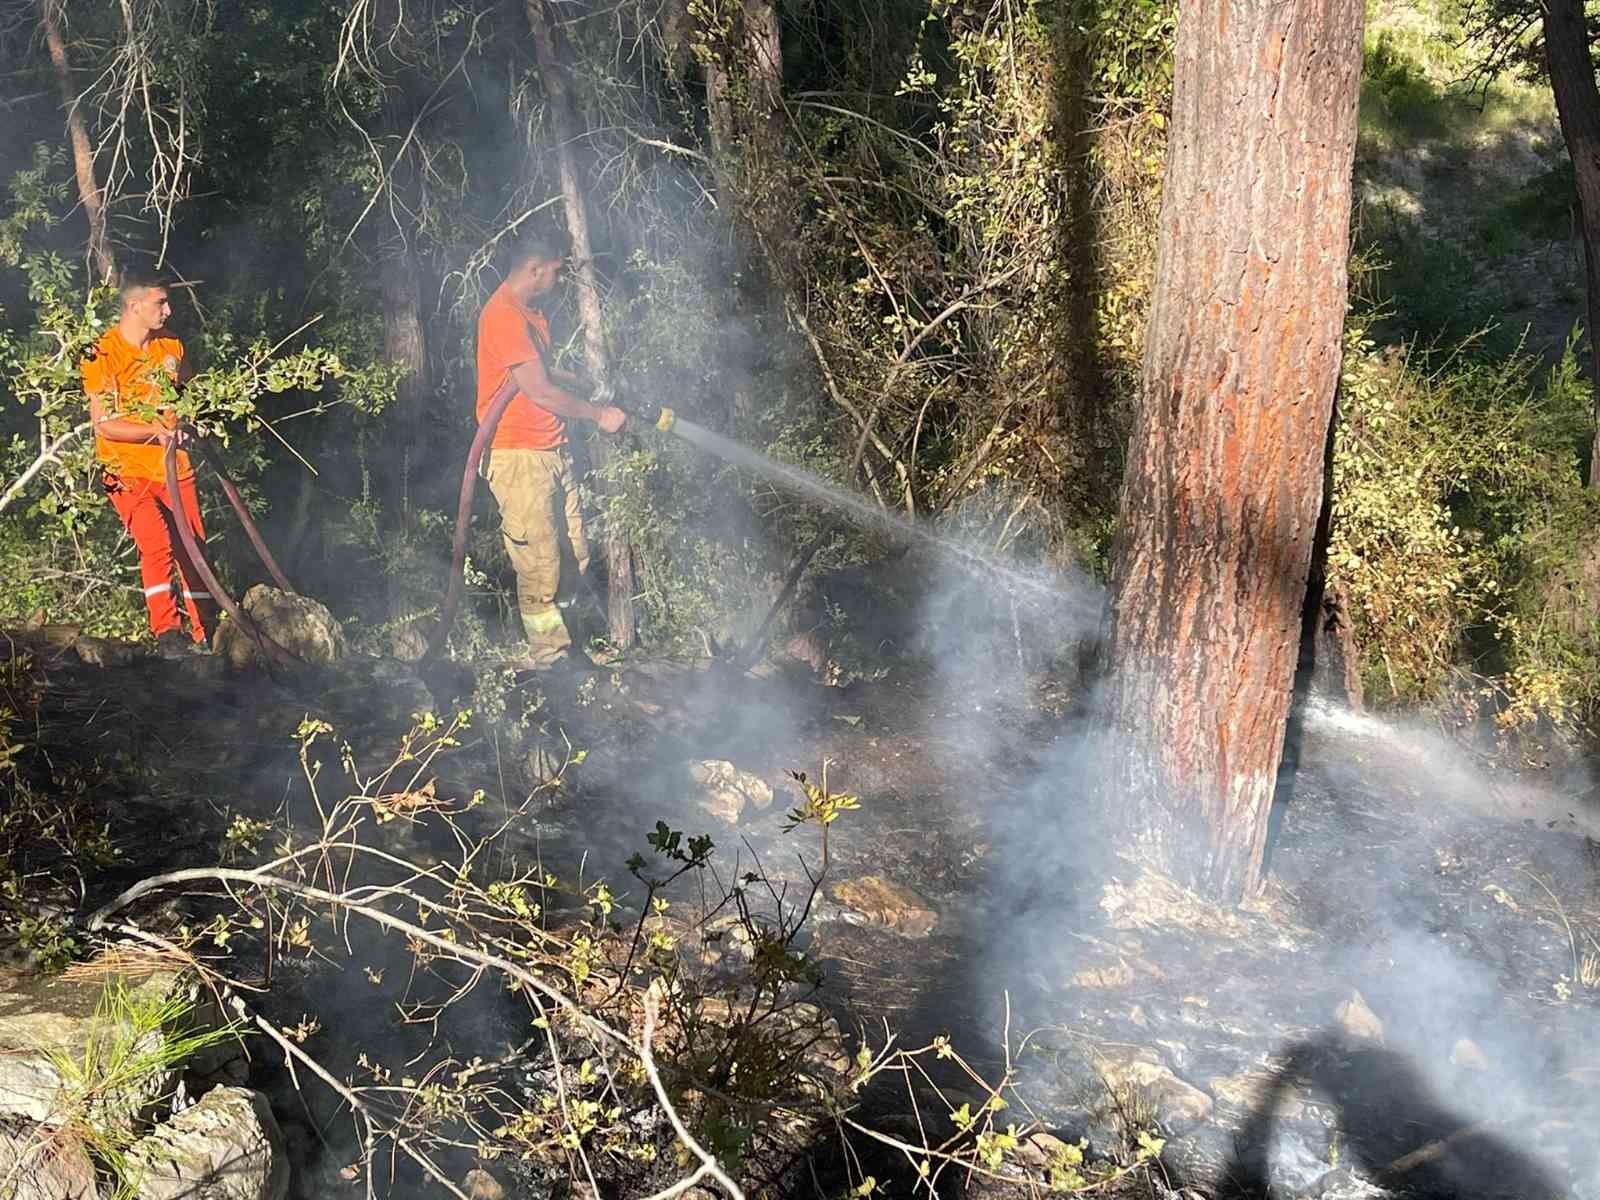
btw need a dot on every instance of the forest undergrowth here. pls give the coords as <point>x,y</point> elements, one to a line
<point>919,268</point>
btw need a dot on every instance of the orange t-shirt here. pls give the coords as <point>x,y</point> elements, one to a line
<point>126,376</point>
<point>509,334</point>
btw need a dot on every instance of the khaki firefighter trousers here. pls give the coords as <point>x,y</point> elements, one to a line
<point>538,501</point>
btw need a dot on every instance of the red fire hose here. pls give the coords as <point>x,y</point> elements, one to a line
<point>269,648</point>
<point>458,547</point>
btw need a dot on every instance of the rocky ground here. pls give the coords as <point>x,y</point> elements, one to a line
<point>1404,1012</point>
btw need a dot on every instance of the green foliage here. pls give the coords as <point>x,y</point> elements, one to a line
<point>49,942</point>
<point>1130,45</point>
<point>59,538</point>
<point>1398,95</point>
<point>1462,529</point>
<point>136,1041</point>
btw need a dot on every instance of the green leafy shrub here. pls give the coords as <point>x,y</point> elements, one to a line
<point>1462,530</point>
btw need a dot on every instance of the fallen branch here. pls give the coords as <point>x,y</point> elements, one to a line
<point>708,1164</point>
<point>357,1105</point>
<point>461,952</point>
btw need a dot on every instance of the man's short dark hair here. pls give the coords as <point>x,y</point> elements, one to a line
<point>135,282</point>
<point>534,247</point>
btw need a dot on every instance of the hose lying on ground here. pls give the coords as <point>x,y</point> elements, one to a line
<point>269,648</point>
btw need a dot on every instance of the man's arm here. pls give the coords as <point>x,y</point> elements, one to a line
<point>125,429</point>
<point>534,382</point>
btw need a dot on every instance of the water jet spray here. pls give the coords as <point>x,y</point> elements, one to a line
<point>794,478</point>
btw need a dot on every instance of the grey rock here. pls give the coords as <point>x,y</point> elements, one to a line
<point>727,791</point>
<point>44,1024</point>
<point>296,623</point>
<point>1141,1082</point>
<point>227,1147</point>
<point>49,1027</point>
<point>1359,1021</point>
<point>876,900</point>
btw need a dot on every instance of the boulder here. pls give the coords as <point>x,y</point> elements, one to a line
<point>883,902</point>
<point>1141,1077</point>
<point>295,622</point>
<point>480,1185</point>
<point>1468,1055</point>
<point>1359,1021</point>
<point>546,761</point>
<point>728,791</point>
<point>1251,1090</point>
<point>46,1024</point>
<point>41,1163</point>
<point>226,1147</point>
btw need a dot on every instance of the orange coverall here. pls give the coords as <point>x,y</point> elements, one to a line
<point>135,480</point>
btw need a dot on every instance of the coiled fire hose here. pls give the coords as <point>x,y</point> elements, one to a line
<point>659,416</point>
<point>269,648</point>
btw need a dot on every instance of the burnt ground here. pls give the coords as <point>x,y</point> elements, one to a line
<point>1462,904</point>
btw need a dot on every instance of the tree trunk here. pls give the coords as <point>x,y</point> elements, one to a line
<point>82,155</point>
<point>744,82</point>
<point>744,103</point>
<point>406,89</point>
<point>563,121</point>
<point>405,345</point>
<point>1566,47</point>
<point>1219,503</point>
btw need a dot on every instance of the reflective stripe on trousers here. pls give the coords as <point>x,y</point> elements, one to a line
<point>538,500</point>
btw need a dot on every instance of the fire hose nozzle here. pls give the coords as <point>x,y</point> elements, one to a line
<point>659,415</point>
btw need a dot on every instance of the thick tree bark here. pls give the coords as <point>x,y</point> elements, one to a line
<point>1566,47</point>
<point>89,193</point>
<point>563,120</point>
<point>1220,500</point>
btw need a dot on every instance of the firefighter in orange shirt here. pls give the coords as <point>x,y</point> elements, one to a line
<point>124,372</point>
<point>526,463</point>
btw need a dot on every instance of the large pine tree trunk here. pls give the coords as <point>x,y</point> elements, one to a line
<point>89,192</point>
<point>564,124</point>
<point>1566,48</point>
<point>1220,499</point>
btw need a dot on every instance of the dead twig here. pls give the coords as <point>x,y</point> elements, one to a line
<point>1436,1149</point>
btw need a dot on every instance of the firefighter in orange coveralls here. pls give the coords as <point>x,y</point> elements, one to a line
<point>125,371</point>
<point>526,464</point>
